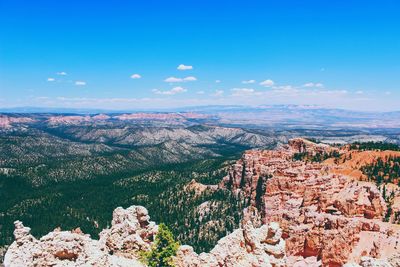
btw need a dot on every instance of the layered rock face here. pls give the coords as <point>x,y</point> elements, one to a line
<point>132,232</point>
<point>324,213</point>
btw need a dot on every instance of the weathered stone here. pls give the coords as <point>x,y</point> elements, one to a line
<point>131,232</point>
<point>323,210</point>
<point>245,247</point>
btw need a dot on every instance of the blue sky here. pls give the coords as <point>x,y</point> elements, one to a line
<point>343,54</point>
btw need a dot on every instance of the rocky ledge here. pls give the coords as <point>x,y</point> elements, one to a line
<point>132,232</point>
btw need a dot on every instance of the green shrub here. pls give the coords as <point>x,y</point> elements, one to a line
<point>163,249</point>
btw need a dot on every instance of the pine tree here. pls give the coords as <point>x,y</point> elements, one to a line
<point>164,248</point>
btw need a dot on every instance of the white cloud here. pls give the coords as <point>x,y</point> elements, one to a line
<point>62,73</point>
<point>201,92</point>
<point>184,67</point>
<point>284,88</point>
<point>267,83</point>
<point>40,98</point>
<point>80,83</point>
<point>324,93</point>
<point>190,79</point>
<point>248,81</point>
<point>308,85</point>
<point>244,92</point>
<point>136,76</point>
<point>318,85</point>
<point>359,92</point>
<point>218,93</point>
<point>51,79</point>
<point>178,89</point>
<point>173,80</point>
<point>388,93</point>
<point>178,80</point>
<point>217,81</point>
<point>173,91</point>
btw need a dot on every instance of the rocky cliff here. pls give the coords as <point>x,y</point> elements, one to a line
<point>325,212</point>
<point>132,232</point>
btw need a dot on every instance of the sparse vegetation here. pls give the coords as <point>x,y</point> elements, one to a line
<point>317,157</point>
<point>384,170</point>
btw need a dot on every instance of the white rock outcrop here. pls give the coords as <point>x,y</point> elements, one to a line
<point>392,261</point>
<point>248,246</point>
<point>131,232</point>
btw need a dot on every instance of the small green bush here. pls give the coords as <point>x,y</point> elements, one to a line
<point>163,249</point>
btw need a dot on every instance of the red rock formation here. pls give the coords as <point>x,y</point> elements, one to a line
<point>322,211</point>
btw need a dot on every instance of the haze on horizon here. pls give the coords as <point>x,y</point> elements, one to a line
<point>166,54</point>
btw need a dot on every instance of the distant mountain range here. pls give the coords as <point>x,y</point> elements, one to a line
<point>282,116</point>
